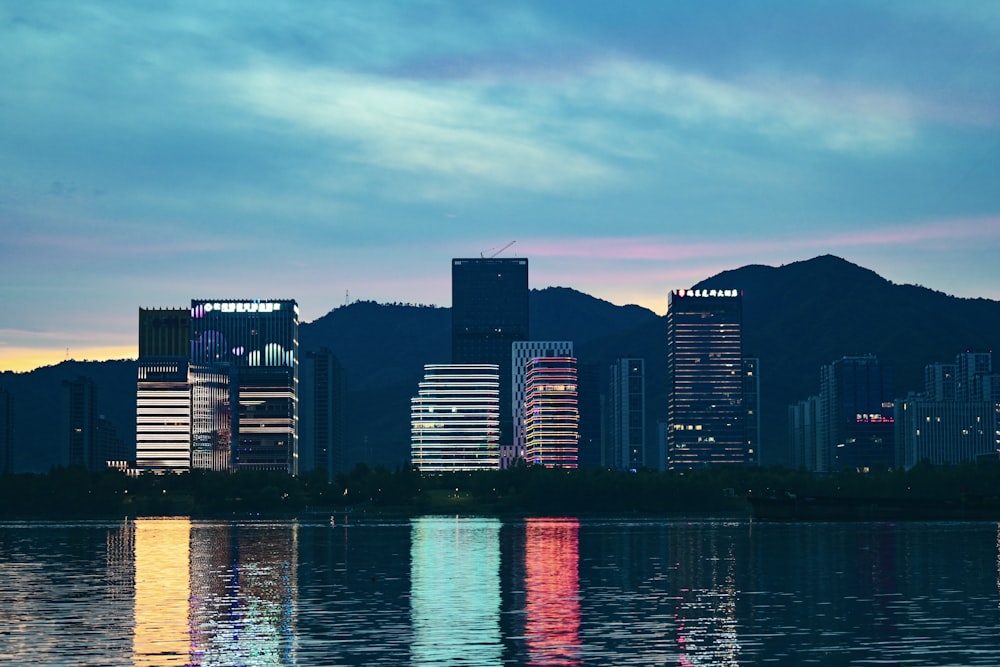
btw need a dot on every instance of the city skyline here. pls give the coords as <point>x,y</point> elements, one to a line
<point>348,152</point>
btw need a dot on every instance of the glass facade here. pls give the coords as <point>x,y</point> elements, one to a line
<point>705,376</point>
<point>489,312</point>
<point>551,421</point>
<point>454,418</point>
<point>259,341</point>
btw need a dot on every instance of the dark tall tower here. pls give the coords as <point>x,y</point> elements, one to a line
<point>489,312</point>
<point>321,413</point>
<point>705,375</point>
<point>856,397</point>
<point>80,423</point>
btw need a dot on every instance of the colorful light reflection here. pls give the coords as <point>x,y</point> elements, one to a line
<point>552,585</point>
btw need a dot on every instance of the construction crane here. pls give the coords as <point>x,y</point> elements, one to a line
<point>498,251</point>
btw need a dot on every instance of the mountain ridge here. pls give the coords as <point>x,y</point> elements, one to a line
<point>797,317</point>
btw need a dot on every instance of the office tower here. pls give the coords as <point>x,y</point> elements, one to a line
<point>164,332</point>
<point>939,381</point>
<point>521,353</point>
<point>321,413</point>
<point>80,423</point>
<point>969,367</point>
<point>590,393</point>
<point>489,312</point>
<point>163,415</point>
<point>956,418</point>
<point>803,420</point>
<point>6,432</point>
<point>856,414</point>
<point>751,407</point>
<point>628,413</point>
<point>944,432</point>
<point>454,418</point>
<point>552,415</point>
<point>705,379</point>
<point>259,342</point>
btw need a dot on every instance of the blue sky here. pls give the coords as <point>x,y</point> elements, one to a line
<point>155,152</point>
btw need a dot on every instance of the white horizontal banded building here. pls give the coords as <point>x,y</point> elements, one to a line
<point>455,418</point>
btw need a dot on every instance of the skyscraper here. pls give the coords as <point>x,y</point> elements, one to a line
<point>856,413</point>
<point>705,379</point>
<point>259,340</point>
<point>218,386</point>
<point>489,312</point>
<point>521,353</point>
<point>551,421</point>
<point>454,419</point>
<point>321,413</point>
<point>628,413</point>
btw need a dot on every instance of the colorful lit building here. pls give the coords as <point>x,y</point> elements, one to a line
<point>551,421</point>
<point>521,353</point>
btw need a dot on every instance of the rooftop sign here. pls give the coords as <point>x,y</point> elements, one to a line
<point>707,293</point>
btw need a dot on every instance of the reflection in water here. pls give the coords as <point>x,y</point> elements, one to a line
<point>552,584</point>
<point>706,617</point>
<point>455,591</point>
<point>162,586</point>
<point>213,594</point>
<point>243,594</point>
<point>434,592</point>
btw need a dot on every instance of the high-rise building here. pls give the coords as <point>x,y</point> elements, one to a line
<point>628,413</point>
<point>957,416</point>
<point>939,381</point>
<point>944,432</point>
<point>705,379</point>
<point>218,386</point>
<point>80,424</point>
<point>521,353</point>
<point>321,413</point>
<point>856,418</point>
<point>552,416</point>
<point>454,419</point>
<point>163,415</point>
<point>259,341</point>
<point>970,366</point>
<point>489,312</point>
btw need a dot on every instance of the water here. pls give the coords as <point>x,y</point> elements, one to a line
<point>480,591</point>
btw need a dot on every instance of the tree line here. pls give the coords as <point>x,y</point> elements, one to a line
<point>526,490</point>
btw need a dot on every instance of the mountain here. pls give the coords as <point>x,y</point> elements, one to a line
<point>803,315</point>
<point>797,317</point>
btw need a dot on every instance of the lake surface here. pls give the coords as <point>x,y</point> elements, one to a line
<point>481,591</point>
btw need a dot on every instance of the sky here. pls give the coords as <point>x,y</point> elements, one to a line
<point>333,151</point>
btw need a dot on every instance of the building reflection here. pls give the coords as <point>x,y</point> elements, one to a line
<point>706,613</point>
<point>162,586</point>
<point>552,587</point>
<point>455,591</point>
<point>214,594</point>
